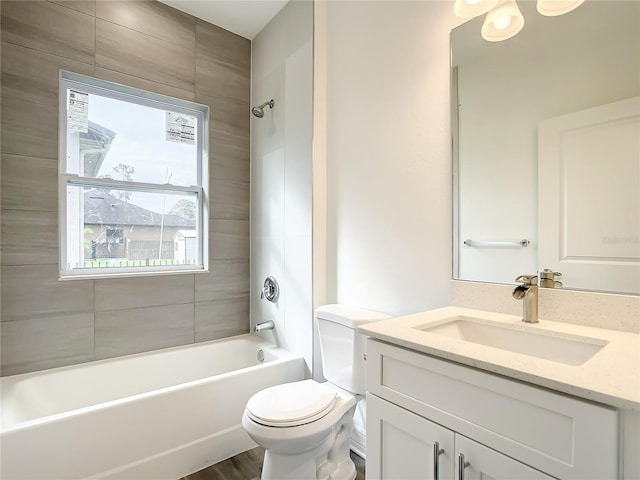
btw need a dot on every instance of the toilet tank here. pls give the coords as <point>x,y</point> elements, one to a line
<point>342,348</point>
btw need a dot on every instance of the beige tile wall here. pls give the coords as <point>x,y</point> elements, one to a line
<point>48,323</point>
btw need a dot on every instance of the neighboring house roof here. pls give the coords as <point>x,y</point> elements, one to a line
<point>94,146</point>
<point>101,208</point>
<point>185,234</point>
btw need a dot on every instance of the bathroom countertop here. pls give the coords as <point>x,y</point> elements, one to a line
<point>611,376</point>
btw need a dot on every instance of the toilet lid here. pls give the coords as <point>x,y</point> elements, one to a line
<point>291,404</point>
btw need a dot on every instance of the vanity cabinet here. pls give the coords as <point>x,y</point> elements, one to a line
<point>495,426</point>
<point>406,446</point>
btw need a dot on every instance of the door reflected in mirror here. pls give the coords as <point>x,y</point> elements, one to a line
<point>546,129</point>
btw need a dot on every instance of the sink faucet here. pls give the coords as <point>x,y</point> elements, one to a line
<point>528,293</point>
<point>268,325</point>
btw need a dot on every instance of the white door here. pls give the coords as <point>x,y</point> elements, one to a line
<point>589,197</point>
<point>404,446</point>
<point>481,463</point>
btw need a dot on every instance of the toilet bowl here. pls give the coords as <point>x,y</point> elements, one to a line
<point>305,427</point>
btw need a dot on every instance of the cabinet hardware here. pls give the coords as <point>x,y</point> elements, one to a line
<point>461,466</point>
<point>437,451</point>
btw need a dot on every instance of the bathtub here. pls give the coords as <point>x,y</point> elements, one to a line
<point>161,414</point>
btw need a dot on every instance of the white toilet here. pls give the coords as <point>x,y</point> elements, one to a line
<point>305,427</point>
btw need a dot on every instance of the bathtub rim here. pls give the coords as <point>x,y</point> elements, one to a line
<point>8,427</point>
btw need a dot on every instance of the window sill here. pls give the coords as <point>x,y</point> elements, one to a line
<point>129,274</point>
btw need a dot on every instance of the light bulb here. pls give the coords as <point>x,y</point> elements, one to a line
<point>502,22</point>
<point>552,8</point>
<point>472,8</point>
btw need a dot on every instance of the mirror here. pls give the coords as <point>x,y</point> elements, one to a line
<point>546,148</point>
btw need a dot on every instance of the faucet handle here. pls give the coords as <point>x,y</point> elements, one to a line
<point>548,279</point>
<point>270,290</point>
<point>548,274</point>
<point>527,280</point>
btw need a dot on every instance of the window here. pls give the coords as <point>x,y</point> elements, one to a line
<point>133,181</point>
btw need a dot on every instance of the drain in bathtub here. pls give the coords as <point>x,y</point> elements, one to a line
<point>261,356</point>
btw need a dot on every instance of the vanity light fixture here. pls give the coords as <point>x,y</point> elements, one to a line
<point>553,8</point>
<point>504,18</point>
<point>473,8</point>
<point>503,21</point>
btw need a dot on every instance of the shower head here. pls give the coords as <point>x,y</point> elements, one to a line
<point>259,111</point>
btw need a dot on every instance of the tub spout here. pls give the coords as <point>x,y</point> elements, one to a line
<point>268,325</point>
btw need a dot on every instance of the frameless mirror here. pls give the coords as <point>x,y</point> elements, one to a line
<point>546,148</point>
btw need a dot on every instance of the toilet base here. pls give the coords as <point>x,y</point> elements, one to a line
<point>330,460</point>
<point>300,469</point>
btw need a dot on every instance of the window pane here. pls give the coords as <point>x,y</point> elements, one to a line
<point>130,229</point>
<point>110,138</point>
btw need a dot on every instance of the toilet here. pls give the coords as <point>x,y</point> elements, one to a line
<point>305,427</point>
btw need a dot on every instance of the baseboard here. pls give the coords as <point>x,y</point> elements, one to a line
<point>358,443</point>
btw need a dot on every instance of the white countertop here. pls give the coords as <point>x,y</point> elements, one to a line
<point>611,376</point>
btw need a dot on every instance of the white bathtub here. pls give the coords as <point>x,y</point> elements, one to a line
<point>161,414</point>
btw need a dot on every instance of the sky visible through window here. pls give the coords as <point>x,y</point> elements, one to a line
<point>140,141</point>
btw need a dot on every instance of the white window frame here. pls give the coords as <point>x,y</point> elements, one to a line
<point>92,85</point>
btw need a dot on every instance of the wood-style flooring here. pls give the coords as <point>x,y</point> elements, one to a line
<point>248,466</point>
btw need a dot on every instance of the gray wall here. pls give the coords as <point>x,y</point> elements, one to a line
<point>47,322</point>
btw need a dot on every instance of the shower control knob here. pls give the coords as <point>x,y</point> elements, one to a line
<point>270,289</point>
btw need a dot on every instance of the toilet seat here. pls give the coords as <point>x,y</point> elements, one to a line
<point>291,404</point>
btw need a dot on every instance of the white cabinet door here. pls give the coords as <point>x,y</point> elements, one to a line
<point>482,463</point>
<point>402,445</point>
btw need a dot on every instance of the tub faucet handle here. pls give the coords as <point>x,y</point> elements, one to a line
<point>270,289</point>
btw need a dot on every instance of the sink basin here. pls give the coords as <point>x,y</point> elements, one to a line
<point>524,339</point>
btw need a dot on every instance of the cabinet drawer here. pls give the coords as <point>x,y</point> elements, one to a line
<point>562,436</point>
